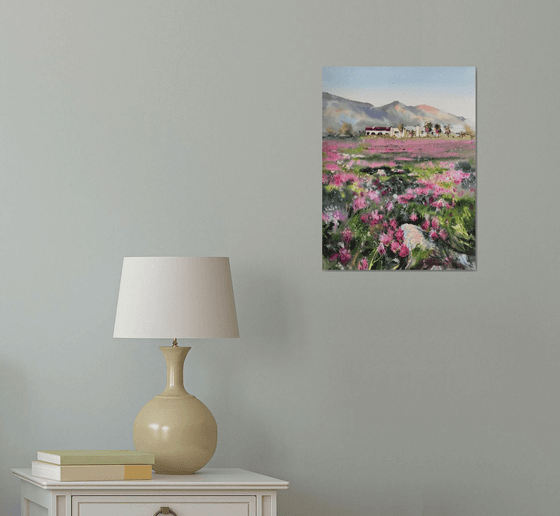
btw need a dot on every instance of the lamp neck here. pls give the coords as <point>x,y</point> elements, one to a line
<point>175,358</point>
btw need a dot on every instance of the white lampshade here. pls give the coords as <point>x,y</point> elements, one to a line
<point>176,297</point>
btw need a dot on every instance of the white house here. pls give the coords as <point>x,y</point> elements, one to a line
<point>376,131</point>
<point>394,131</point>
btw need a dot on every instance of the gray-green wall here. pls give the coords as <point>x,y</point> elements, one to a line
<point>138,128</point>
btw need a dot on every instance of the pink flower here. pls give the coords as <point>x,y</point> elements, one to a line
<point>433,235</point>
<point>404,251</point>
<point>337,180</point>
<point>435,223</point>
<point>413,216</point>
<point>359,203</point>
<point>395,246</point>
<point>344,256</point>
<point>425,225</point>
<point>385,239</point>
<point>393,223</point>
<point>381,249</point>
<point>333,257</point>
<point>363,265</point>
<point>347,235</point>
<point>399,235</point>
<point>442,234</point>
<point>375,218</point>
<point>374,196</point>
<point>325,217</point>
<point>439,204</point>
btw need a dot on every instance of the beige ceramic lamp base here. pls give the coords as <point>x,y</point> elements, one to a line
<point>175,426</point>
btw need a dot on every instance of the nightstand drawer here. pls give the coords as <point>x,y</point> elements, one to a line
<point>150,505</point>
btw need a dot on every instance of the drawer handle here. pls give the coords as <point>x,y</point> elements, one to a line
<point>165,510</point>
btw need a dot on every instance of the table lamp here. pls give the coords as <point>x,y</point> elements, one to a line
<point>174,298</point>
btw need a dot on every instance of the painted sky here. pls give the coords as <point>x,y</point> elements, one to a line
<point>451,89</point>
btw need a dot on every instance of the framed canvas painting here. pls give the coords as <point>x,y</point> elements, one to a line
<point>399,168</point>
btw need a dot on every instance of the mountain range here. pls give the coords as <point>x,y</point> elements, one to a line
<point>338,110</point>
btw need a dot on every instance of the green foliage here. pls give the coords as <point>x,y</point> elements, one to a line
<point>359,149</point>
<point>419,256</point>
<point>461,226</point>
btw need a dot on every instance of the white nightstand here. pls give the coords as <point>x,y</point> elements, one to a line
<point>209,492</point>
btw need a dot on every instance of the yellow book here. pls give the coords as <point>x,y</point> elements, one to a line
<point>63,457</point>
<point>70,473</point>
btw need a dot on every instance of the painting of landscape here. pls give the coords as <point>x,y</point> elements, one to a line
<point>399,168</point>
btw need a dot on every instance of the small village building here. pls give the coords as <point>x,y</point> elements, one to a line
<point>380,131</point>
<point>376,131</point>
<point>416,130</point>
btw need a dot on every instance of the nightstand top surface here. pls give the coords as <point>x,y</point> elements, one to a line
<point>206,478</point>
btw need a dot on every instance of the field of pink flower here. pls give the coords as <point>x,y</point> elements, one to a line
<point>399,204</point>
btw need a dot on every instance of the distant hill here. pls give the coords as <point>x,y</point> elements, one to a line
<point>338,110</point>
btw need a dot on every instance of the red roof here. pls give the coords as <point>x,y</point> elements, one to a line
<point>381,128</point>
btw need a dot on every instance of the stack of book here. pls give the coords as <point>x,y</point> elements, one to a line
<point>83,465</point>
